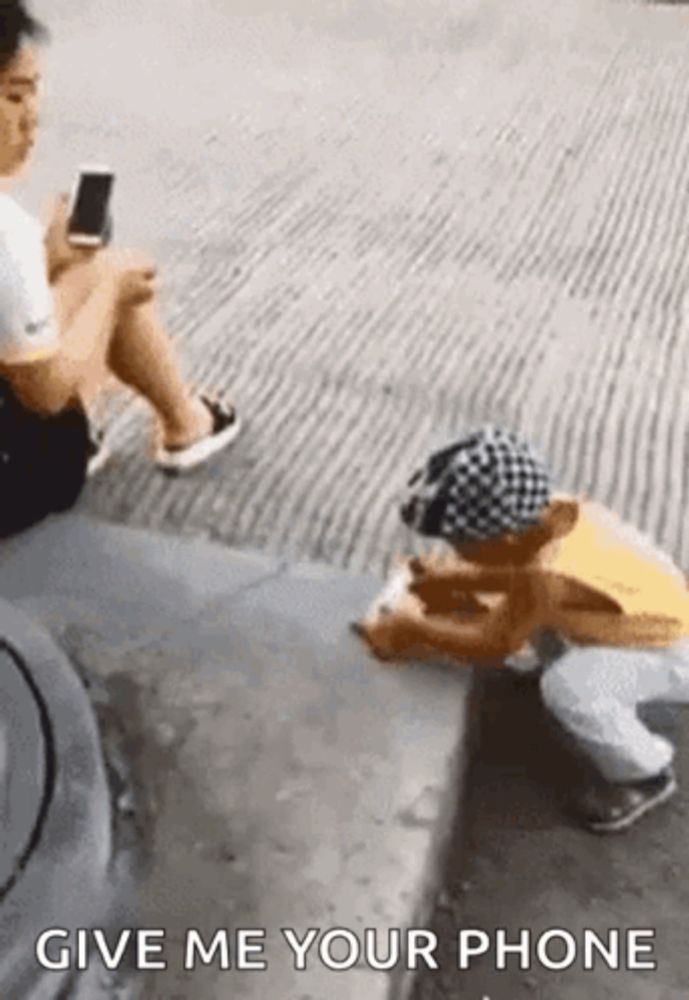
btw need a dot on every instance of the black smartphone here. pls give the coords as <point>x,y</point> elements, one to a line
<point>89,212</point>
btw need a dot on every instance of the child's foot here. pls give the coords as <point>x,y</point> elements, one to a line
<point>225,427</point>
<point>620,806</point>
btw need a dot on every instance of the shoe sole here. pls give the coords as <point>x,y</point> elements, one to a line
<point>191,458</point>
<point>618,826</point>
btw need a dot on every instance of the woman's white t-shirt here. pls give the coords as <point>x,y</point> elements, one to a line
<point>28,331</point>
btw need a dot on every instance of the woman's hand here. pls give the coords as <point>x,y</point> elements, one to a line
<point>136,273</point>
<point>60,253</point>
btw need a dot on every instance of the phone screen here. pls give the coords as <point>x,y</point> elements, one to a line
<point>90,213</point>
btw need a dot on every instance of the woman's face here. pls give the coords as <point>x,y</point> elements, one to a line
<point>19,100</point>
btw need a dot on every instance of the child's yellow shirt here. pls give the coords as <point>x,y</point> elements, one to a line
<point>612,585</point>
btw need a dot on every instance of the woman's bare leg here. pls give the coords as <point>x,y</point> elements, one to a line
<point>141,356</point>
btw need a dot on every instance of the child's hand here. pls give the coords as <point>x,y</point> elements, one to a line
<point>374,637</point>
<point>437,595</point>
<point>417,568</point>
<point>392,635</point>
<point>435,563</point>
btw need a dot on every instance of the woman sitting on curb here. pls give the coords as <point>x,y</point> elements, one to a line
<point>69,316</point>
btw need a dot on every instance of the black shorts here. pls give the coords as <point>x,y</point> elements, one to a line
<point>43,461</point>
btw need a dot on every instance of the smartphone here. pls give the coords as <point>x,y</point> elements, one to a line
<point>89,212</point>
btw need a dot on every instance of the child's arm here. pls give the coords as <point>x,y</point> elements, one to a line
<point>430,576</point>
<point>492,637</point>
<point>455,586</point>
<point>408,632</point>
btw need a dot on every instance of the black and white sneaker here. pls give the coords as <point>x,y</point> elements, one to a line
<point>226,427</point>
<point>620,806</point>
<point>98,454</point>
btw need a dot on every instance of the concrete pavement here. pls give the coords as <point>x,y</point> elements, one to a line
<point>287,780</point>
<point>526,864</point>
<point>58,847</point>
<point>378,223</point>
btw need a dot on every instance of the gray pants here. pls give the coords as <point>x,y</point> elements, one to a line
<point>594,693</point>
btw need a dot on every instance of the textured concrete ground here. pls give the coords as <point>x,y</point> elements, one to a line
<point>522,863</point>
<point>58,846</point>
<point>286,780</point>
<point>381,222</point>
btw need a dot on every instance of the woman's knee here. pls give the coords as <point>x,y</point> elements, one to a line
<point>108,264</point>
<point>128,261</point>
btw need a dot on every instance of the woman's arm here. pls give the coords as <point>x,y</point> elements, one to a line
<point>60,254</point>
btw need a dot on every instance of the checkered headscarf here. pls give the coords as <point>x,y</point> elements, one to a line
<point>487,485</point>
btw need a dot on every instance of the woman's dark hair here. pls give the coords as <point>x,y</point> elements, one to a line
<point>16,24</point>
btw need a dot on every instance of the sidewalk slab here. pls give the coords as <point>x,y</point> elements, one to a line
<point>380,224</point>
<point>57,823</point>
<point>293,782</point>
